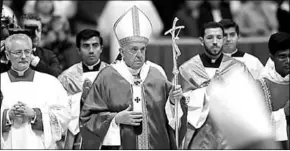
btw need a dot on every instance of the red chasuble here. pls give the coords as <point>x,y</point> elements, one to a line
<point>111,93</point>
<point>278,93</point>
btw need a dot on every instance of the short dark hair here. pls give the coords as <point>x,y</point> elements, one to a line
<point>29,16</point>
<point>211,25</point>
<point>228,23</point>
<point>87,34</point>
<point>279,41</point>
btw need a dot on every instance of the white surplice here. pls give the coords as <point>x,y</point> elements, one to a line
<point>44,92</point>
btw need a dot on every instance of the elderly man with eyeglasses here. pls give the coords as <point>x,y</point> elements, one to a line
<point>33,116</point>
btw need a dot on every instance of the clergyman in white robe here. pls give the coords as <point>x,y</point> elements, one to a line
<point>46,96</point>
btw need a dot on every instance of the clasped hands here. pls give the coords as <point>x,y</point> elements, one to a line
<point>128,117</point>
<point>21,110</point>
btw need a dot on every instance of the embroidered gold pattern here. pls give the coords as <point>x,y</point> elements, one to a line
<point>132,39</point>
<point>135,19</point>
<point>143,142</point>
<point>142,139</point>
<point>268,97</point>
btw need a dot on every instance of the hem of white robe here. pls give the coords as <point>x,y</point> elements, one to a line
<point>170,113</point>
<point>198,108</point>
<point>113,137</point>
<point>281,129</point>
<point>73,125</point>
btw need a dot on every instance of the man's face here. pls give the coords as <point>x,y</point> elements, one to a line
<point>134,55</point>
<point>37,39</point>
<point>213,41</point>
<point>19,54</point>
<point>231,40</point>
<point>282,62</point>
<point>90,50</point>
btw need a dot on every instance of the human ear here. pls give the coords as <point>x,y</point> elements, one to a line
<point>201,41</point>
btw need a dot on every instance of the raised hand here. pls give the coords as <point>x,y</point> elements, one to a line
<point>175,93</point>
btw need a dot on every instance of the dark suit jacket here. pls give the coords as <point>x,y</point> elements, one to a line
<point>48,62</point>
<point>205,14</point>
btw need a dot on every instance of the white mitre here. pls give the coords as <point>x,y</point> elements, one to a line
<point>133,26</point>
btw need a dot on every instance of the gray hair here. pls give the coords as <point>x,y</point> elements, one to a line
<point>14,37</point>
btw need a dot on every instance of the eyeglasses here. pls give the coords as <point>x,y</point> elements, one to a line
<point>19,53</point>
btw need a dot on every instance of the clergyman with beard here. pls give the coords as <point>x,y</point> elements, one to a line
<point>195,76</point>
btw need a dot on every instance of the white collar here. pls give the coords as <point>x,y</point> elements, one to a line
<point>92,66</point>
<point>276,77</point>
<point>132,71</point>
<point>123,70</point>
<point>20,73</point>
<point>230,53</point>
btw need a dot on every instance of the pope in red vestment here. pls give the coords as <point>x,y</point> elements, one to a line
<point>130,104</point>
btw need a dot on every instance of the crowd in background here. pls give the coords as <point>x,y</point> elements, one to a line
<point>63,19</point>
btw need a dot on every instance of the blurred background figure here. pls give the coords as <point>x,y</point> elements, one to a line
<point>43,60</point>
<point>7,17</point>
<point>257,18</point>
<point>16,6</point>
<point>167,12</point>
<point>213,11</point>
<point>235,6</point>
<point>283,15</point>
<point>45,8</point>
<point>56,33</point>
<point>7,11</point>
<point>188,14</point>
<point>111,13</point>
<point>46,11</point>
<point>87,17</point>
<point>58,38</point>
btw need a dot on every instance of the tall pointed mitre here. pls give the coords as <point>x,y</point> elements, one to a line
<point>133,26</point>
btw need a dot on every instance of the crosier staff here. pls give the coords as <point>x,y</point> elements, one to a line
<point>176,54</point>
